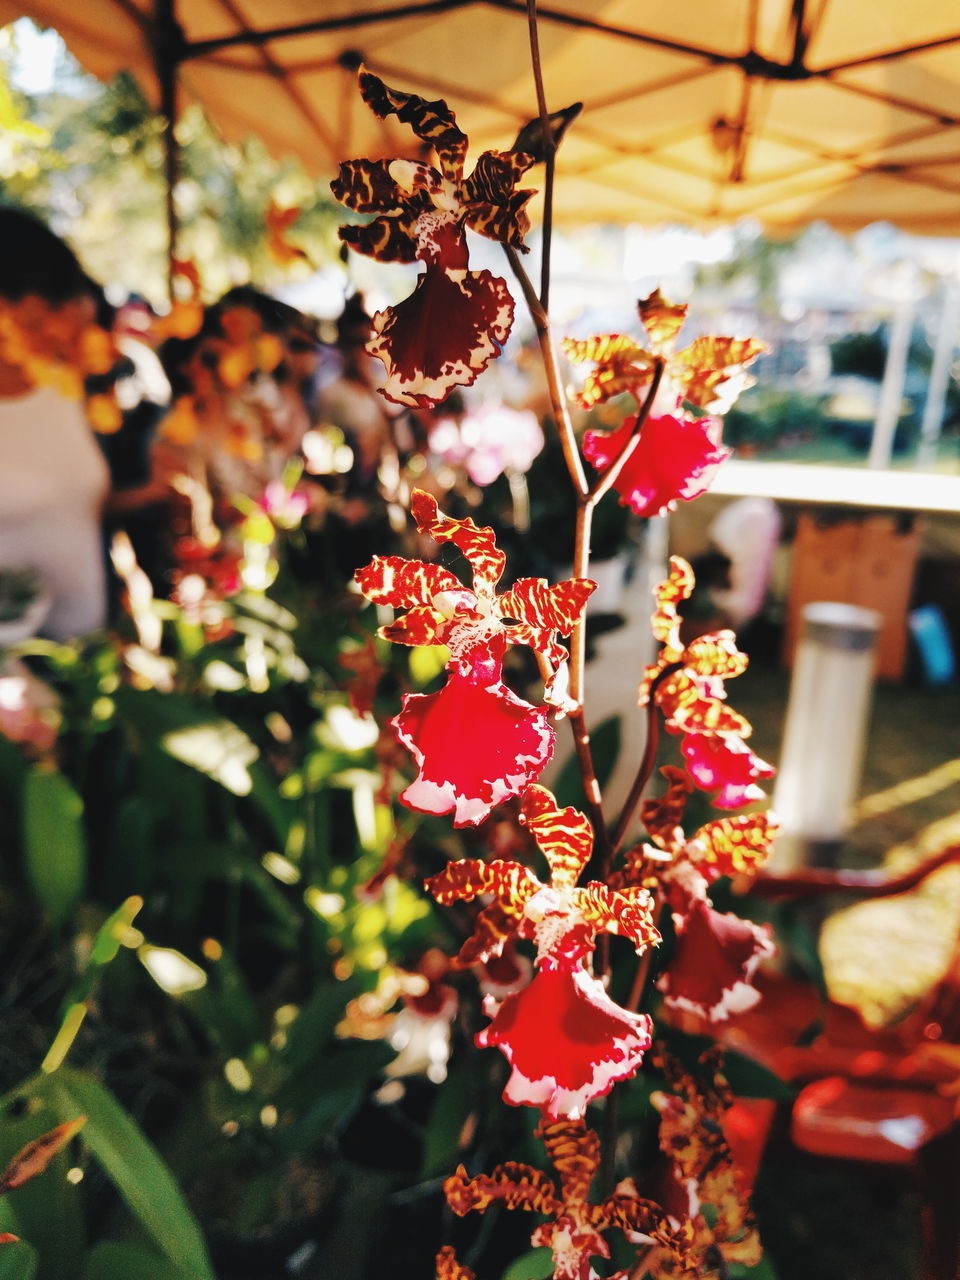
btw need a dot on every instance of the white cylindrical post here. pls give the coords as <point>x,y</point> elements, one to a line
<point>825,730</point>
<point>944,346</point>
<point>891,389</point>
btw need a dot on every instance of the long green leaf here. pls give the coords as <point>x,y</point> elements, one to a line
<point>55,845</point>
<point>193,734</point>
<point>112,1260</point>
<point>18,1261</point>
<point>132,1163</point>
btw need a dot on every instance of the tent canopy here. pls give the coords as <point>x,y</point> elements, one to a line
<point>698,112</point>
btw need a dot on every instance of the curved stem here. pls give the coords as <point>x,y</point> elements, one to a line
<point>647,761</point>
<point>608,478</point>
<point>635,998</point>
<point>558,403</point>
<point>869,884</point>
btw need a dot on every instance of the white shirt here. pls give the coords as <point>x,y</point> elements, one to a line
<point>53,480</point>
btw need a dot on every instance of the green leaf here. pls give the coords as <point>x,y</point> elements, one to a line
<point>131,1162</point>
<point>535,1265</point>
<point>111,1260</point>
<point>764,1270</point>
<point>194,735</point>
<point>55,844</point>
<point>605,748</point>
<point>455,1100</point>
<point>312,1030</point>
<point>45,1211</point>
<point>18,1261</point>
<point>325,1097</point>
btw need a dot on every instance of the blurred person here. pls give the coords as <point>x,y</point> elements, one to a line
<point>54,479</point>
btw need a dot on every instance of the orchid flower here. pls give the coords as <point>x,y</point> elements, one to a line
<point>456,320</point>
<point>565,1039</point>
<point>475,742</point>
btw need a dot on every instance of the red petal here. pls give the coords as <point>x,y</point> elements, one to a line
<point>386,239</point>
<point>495,209</point>
<point>475,743</point>
<point>711,973</point>
<point>732,846</point>
<point>622,366</point>
<point>466,878</point>
<point>420,625</point>
<point>477,543</point>
<point>542,609</point>
<point>564,836</point>
<point>725,764</point>
<point>442,336</point>
<point>567,1042</point>
<point>695,705</point>
<point>676,458</point>
<point>404,583</point>
<point>432,122</point>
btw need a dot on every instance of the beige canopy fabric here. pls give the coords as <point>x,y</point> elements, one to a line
<point>695,111</point>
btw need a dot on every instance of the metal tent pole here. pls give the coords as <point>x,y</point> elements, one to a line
<point>168,47</point>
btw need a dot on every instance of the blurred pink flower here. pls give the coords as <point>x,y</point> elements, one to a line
<point>488,440</point>
<point>29,710</point>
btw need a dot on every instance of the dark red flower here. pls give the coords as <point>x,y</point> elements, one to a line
<point>456,320</point>
<point>714,962</point>
<point>675,458</point>
<point>575,1225</point>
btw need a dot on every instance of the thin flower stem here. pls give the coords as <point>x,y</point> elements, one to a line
<point>646,764</point>
<point>546,230</point>
<point>609,477</point>
<point>608,1144</point>
<point>581,550</point>
<point>558,403</point>
<point>643,968</point>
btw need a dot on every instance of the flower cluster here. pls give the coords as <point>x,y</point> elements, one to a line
<point>61,347</point>
<point>677,452</point>
<point>223,361</point>
<point>456,320</point>
<point>475,742</point>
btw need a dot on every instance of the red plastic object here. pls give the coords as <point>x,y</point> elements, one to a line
<point>843,1119</point>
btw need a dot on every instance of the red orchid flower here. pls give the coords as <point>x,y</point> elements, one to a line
<point>448,1268</point>
<point>574,1226</point>
<point>457,320</point>
<point>566,1040</point>
<point>688,685</point>
<point>507,740</point>
<point>678,453</point>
